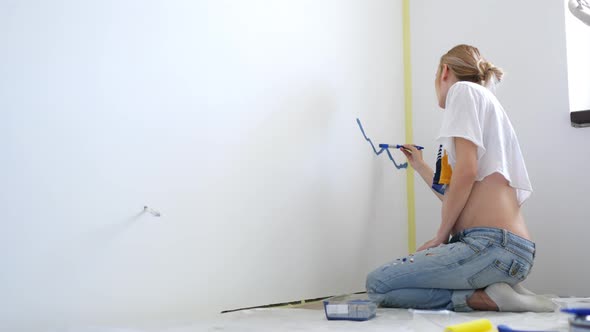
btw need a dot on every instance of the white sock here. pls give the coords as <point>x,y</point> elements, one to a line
<point>507,299</point>
<point>519,288</point>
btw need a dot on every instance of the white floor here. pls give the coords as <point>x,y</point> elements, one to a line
<point>297,319</point>
<point>386,320</point>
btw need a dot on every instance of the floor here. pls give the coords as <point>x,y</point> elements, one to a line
<point>310,317</point>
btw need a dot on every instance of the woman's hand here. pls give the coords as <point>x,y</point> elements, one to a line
<point>433,243</point>
<point>414,156</point>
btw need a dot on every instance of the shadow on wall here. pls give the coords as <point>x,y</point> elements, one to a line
<point>291,142</point>
<point>87,251</point>
<point>284,171</point>
<point>57,280</point>
<point>296,126</point>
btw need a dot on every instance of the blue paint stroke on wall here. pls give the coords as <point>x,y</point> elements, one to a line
<point>400,166</point>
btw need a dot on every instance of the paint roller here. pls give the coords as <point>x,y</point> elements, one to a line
<point>480,325</point>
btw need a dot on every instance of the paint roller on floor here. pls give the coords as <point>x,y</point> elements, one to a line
<point>480,325</point>
<point>483,325</point>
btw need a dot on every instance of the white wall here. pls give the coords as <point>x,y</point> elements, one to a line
<point>234,119</point>
<point>526,39</point>
<point>578,53</point>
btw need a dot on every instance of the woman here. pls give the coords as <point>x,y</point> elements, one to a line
<point>482,249</point>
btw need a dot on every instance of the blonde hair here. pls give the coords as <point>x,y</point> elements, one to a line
<point>467,64</point>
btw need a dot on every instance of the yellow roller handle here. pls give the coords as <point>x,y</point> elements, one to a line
<point>480,325</point>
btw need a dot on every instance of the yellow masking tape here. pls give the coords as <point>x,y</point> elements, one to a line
<point>480,325</point>
<point>408,123</point>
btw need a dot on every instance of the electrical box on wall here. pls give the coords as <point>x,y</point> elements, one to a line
<point>580,118</point>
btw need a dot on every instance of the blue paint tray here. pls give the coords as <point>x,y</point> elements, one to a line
<point>357,310</point>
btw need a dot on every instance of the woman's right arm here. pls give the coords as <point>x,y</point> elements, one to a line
<point>415,159</point>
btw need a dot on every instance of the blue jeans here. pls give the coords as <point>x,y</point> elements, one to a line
<point>445,276</point>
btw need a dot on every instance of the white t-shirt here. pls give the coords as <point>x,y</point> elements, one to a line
<point>474,113</point>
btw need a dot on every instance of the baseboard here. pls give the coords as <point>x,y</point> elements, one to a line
<point>285,304</point>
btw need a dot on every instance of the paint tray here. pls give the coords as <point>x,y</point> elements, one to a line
<point>357,310</point>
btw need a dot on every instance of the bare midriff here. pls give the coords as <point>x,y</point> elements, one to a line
<point>492,203</point>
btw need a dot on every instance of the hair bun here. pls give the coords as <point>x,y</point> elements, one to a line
<point>487,71</point>
<point>467,64</point>
<point>484,66</point>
